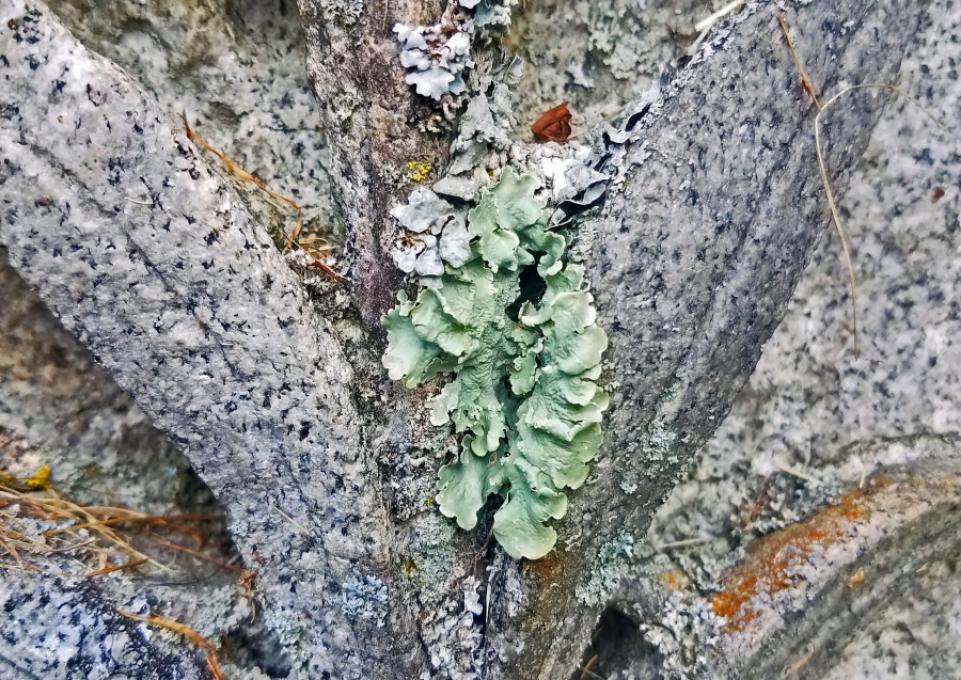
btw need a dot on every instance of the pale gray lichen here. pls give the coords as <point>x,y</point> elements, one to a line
<point>435,59</point>
<point>366,599</point>
<point>438,57</point>
<point>434,232</point>
<point>490,12</point>
<point>524,365</point>
<point>483,131</point>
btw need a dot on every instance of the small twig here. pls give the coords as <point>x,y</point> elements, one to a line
<point>480,553</point>
<point>295,232</point>
<point>317,264</point>
<point>808,87</point>
<point>130,200</point>
<point>835,213</point>
<point>684,543</point>
<point>586,669</point>
<point>795,472</point>
<point>709,21</point>
<point>704,26</point>
<point>92,533</point>
<point>806,82</point>
<point>132,564</point>
<point>243,175</point>
<point>13,552</point>
<point>294,523</point>
<point>800,663</point>
<point>176,547</point>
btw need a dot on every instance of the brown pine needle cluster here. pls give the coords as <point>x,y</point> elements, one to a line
<point>38,523</point>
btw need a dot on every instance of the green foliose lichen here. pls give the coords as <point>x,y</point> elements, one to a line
<point>524,361</point>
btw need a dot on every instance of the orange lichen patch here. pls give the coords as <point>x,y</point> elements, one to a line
<point>851,505</point>
<point>544,569</point>
<point>672,580</point>
<point>773,560</point>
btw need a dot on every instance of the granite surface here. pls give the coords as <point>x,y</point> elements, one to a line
<point>236,69</point>
<point>815,420</point>
<point>224,351</point>
<point>216,339</point>
<point>694,256</point>
<point>62,628</point>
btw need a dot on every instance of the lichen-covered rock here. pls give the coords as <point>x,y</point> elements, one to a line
<point>434,230</point>
<point>204,283</point>
<point>328,476</point>
<point>235,68</point>
<point>598,56</point>
<point>529,442</point>
<point>435,59</point>
<point>438,57</point>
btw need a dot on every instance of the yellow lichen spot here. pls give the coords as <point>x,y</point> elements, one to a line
<point>409,567</point>
<point>430,501</point>
<point>40,479</point>
<point>418,171</point>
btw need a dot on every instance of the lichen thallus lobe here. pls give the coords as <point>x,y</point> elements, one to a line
<point>515,329</point>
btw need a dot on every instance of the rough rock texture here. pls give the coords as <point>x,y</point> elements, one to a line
<point>598,56</point>
<point>213,334</point>
<point>236,68</point>
<point>58,408</point>
<point>165,271</point>
<point>814,421</point>
<point>92,643</point>
<point>375,123</point>
<point>238,73</point>
<point>694,258</point>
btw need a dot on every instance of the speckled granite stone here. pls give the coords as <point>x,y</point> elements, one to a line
<point>213,333</point>
<point>243,85</point>
<point>58,408</point>
<point>59,628</point>
<point>810,399</point>
<point>695,255</point>
<point>179,293</point>
<point>598,56</point>
<point>813,409</point>
<point>236,68</point>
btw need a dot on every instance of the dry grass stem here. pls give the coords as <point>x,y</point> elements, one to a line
<point>100,540</point>
<point>185,631</point>
<point>808,86</point>
<point>279,200</point>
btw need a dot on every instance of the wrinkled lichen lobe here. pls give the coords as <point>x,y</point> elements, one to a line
<point>523,360</point>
